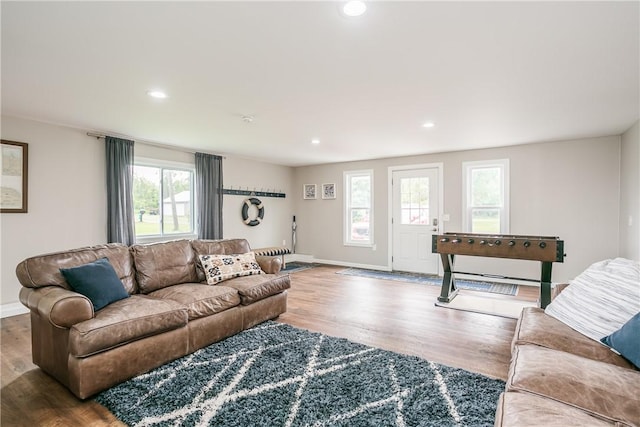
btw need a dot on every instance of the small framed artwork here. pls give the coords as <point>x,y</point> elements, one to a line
<point>328,191</point>
<point>13,187</point>
<point>309,191</point>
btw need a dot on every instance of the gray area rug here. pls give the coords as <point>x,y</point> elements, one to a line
<point>402,276</point>
<point>278,375</point>
<point>294,267</point>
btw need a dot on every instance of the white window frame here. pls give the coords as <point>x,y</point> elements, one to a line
<point>166,164</point>
<point>467,168</point>
<point>347,175</point>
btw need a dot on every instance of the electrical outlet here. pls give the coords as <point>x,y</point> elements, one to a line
<point>446,217</point>
<point>374,247</point>
<point>284,243</point>
<point>630,221</point>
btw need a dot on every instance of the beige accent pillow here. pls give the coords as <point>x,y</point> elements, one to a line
<point>223,267</point>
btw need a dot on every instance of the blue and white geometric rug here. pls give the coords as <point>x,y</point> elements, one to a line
<point>474,285</point>
<point>278,375</point>
<point>294,267</point>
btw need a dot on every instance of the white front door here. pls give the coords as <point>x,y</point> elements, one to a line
<point>415,219</point>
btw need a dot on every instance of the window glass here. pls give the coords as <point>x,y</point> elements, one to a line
<point>414,198</point>
<point>486,196</point>
<point>358,207</point>
<point>162,200</point>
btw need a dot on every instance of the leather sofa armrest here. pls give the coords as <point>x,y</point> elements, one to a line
<point>61,307</point>
<point>557,288</point>
<point>269,264</point>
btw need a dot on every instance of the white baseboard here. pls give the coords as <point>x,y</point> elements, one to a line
<point>12,309</point>
<point>311,259</point>
<point>299,258</point>
<point>353,265</point>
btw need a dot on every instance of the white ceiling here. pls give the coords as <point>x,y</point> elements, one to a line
<point>486,73</point>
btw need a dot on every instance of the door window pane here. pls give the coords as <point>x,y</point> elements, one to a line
<point>414,198</point>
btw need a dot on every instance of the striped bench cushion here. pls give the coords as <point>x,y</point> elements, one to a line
<point>272,251</point>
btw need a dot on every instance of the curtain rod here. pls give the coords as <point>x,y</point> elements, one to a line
<point>154,144</point>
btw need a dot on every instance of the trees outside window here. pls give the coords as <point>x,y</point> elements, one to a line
<point>163,200</point>
<point>358,228</point>
<point>486,196</point>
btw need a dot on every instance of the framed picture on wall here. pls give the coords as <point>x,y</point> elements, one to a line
<point>328,191</point>
<point>309,191</point>
<point>13,190</point>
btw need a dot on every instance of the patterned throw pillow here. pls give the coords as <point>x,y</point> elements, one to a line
<point>601,299</point>
<point>222,267</point>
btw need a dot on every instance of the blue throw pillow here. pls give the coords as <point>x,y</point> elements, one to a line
<point>626,340</point>
<point>97,281</point>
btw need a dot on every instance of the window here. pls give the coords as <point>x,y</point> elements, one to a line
<point>414,201</point>
<point>163,200</point>
<point>358,208</point>
<point>486,196</point>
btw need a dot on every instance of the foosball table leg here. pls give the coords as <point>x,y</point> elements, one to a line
<point>448,290</point>
<point>545,284</point>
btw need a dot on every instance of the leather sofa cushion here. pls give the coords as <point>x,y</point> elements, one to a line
<point>516,409</point>
<point>217,247</point>
<point>44,270</point>
<point>261,286</point>
<point>124,321</point>
<point>159,265</point>
<point>600,388</point>
<point>200,300</point>
<point>536,327</point>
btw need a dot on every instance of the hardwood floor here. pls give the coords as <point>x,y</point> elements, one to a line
<point>393,315</point>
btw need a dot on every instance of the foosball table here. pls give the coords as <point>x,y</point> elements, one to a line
<point>545,249</point>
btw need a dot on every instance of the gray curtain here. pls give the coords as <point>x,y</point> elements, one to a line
<point>209,195</point>
<point>120,215</point>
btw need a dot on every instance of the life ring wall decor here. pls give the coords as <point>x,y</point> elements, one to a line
<point>245,211</point>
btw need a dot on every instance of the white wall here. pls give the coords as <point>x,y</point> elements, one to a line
<point>276,224</point>
<point>630,193</point>
<point>568,189</point>
<point>246,174</point>
<point>67,203</point>
<point>67,197</point>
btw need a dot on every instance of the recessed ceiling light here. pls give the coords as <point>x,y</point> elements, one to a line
<point>428,125</point>
<point>157,94</point>
<point>315,141</point>
<point>354,8</point>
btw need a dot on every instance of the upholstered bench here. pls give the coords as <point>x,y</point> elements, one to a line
<point>273,251</point>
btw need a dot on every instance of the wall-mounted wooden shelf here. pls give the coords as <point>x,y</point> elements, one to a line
<point>253,193</point>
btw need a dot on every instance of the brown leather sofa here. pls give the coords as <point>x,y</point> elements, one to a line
<point>559,377</point>
<point>171,310</point>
